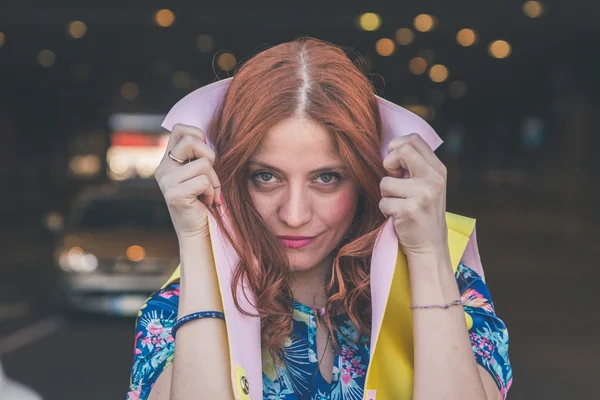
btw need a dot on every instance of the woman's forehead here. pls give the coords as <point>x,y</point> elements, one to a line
<point>297,140</point>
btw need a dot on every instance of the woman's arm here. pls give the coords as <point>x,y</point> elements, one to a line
<point>414,194</point>
<point>201,360</point>
<point>445,367</point>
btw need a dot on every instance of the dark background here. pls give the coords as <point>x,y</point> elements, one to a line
<point>534,190</point>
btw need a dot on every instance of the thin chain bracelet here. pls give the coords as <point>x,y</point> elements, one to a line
<point>442,306</point>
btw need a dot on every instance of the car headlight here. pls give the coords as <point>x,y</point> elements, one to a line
<point>77,260</point>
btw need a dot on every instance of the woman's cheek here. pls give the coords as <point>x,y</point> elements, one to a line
<point>342,208</point>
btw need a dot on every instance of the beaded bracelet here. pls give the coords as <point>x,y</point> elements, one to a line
<point>442,306</point>
<point>193,316</point>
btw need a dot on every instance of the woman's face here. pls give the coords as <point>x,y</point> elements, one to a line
<point>301,187</point>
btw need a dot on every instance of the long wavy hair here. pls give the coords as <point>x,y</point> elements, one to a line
<point>316,80</point>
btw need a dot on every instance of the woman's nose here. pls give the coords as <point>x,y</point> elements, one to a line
<point>295,209</point>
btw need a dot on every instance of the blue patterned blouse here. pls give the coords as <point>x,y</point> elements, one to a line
<point>301,379</point>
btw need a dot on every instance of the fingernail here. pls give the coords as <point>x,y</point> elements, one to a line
<point>221,198</point>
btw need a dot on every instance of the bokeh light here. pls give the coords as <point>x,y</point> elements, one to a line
<point>438,73</point>
<point>54,221</point>
<point>404,36</point>
<point>164,18</point>
<point>369,21</point>
<point>424,22</point>
<point>466,37</point>
<point>77,29</point>
<point>417,65</point>
<point>457,89</point>
<point>2,39</point>
<point>46,58</point>
<point>533,9</point>
<point>181,79</point>
<point>85,164</point>
<point>385,47</point>
<point>500,49</point>
<point>419,109</point>
<point>135,253</point>
<point>226,61</point>
<point>118,165</point>
<point>205,43</point>
<point>129,91</point>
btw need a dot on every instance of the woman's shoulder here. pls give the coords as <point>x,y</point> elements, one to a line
<point>163,301</point>
<point>154,344</point>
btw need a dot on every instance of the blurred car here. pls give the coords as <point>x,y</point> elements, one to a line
<point>12,390</point>
<point>117,246</point>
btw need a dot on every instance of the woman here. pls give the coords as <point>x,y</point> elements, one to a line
<point>303,190</point>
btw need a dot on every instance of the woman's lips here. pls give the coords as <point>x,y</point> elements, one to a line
<point>293,243</point>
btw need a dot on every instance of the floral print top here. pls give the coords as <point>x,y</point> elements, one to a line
<point>300,378</point>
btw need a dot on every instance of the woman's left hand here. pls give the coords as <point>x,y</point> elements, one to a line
<point>414,194</point>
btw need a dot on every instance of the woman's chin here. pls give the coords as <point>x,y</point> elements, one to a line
<point>301,264</point>
<point>306,263</point>
<point>295,267</point>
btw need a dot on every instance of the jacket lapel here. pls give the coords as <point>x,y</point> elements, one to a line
<point>391,368</point>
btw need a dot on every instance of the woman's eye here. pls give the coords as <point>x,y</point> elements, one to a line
<point>266,176</point>
<point>329,177</point>
<point>263,177</point>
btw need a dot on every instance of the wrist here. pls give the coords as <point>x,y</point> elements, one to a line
<point>431,278</point>
<point>436,258</point>
<point>183,235</point>
<point>191,243</point>
<point>199,288</point>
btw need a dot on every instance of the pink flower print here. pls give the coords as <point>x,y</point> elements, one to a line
<point>170,293</point>
<point>138,351</point>
<point>346,378</point>
<point>135,394</point>
<point>474,299</point>
<point>156,329</point>
<point>170,339</point>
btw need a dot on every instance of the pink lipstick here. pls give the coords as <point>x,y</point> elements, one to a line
<point>296,242</point>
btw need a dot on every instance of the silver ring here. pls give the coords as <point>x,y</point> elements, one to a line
<point>177,160</point>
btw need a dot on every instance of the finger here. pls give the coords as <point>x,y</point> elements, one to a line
<point>201,187</point>
<point>193,169</point>
<point>398,187</point>
<point>406,157</point>
<point>191,147</point>
<point>179,131</point>
<point>420,145</point>
<point>390,206</point>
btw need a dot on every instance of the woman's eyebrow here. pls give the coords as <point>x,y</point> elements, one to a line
<point>322,169</point>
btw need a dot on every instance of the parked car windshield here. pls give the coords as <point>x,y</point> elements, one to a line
<point>111,213</point>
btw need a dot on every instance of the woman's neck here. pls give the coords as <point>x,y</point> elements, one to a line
<point>308,287</point>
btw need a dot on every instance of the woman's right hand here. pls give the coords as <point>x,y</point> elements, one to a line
<point>191,187</point>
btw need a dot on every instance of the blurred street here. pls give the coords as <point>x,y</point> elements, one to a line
<point>511,87</point>
<point>540,280</point>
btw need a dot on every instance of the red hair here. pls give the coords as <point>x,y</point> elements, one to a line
<point>315,80</point>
